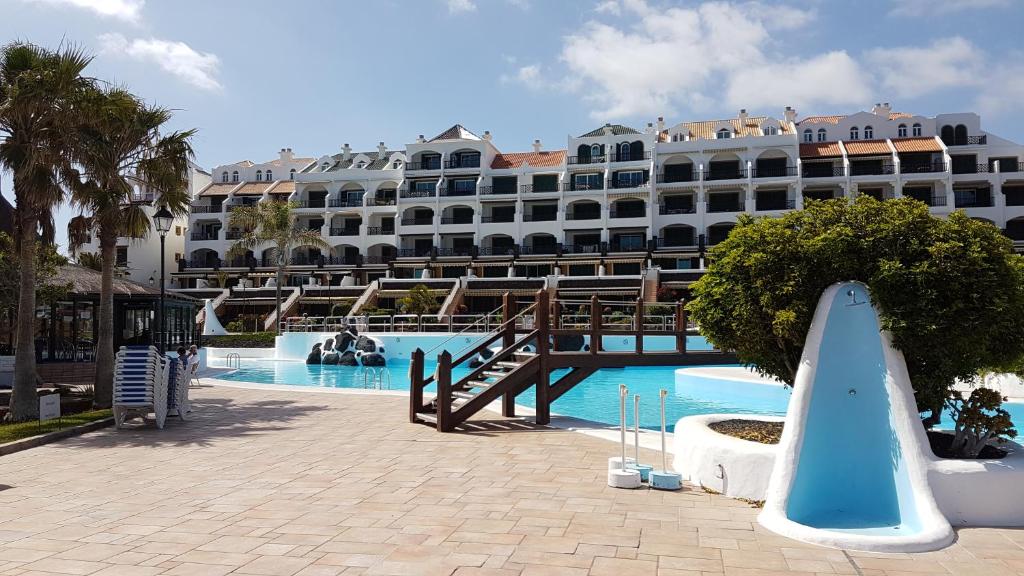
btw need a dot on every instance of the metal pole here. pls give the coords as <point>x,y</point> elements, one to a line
<point>664,458</point>
<point>623,392</point>
<point>160,323</point>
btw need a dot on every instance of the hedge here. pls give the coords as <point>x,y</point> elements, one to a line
<point>248,340</point>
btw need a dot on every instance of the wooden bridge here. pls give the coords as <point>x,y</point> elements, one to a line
<point>529,340</point>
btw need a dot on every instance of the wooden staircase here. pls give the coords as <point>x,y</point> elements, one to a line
<point>515,368</point>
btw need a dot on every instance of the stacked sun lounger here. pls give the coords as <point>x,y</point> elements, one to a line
<point>140,384</point>
<point>177,375</point>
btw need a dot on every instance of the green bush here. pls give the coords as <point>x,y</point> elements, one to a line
<point>250,340</point>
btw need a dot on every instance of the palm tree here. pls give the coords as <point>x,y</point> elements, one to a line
<point>39,92</point>
<point>126,165</point>
<point>90,260</point>
<point>272,223</point>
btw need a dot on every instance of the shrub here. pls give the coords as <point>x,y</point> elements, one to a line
<point>248,340</point>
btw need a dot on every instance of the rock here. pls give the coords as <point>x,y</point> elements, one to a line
<point>314,355</point>
<point>372,359</point>
<point>331,358</point>
<point>345,340</point>
<point>365,344</point>
<point>348,359</point>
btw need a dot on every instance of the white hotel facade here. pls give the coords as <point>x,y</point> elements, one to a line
<point>617,201</point>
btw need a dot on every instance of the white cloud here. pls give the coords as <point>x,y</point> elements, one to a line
<point>196,68</point>
<point>608,7</point>
<point>829,79</point>
<point>942,7</point>
<point>528,76</point>
<point>128,10</point>
<point>460,6</point>
<point>912,71</point>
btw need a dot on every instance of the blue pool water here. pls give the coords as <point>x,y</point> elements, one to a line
<point>851,474</point>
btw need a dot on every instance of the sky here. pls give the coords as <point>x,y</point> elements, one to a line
<point>254,76</point>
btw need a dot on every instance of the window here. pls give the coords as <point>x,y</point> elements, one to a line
<point>234,176</point>
<point>122,256</point>
<point>224,177</point>
<point>901,131</point>
<point>624,151</point>
<point>177,256</point>
<point>808,135</point>
<point>595,151</point>
<point>324,167</point>
<point>361,164</point>
<point>396,164</point>
<point>177,230</point>
<point>917,129</point>
<point>769,131</point>
<point>259,175</point>
<point>291,174</point>
<point>822,135</point>
<point>270,176</point>
<point>631,179</point>
<point>464,186</point>
<point>854,133</point>
<point>587,182</point>
<point>723,134</point>
<point>869,132</point>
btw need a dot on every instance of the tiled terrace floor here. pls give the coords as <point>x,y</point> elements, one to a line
<point>263,482</point>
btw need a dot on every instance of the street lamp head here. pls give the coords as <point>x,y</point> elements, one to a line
<point>163,220</point>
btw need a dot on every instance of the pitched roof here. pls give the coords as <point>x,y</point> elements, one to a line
<point>252,189</point>
<point>537,159</point>
<point>217,189</point>
<point>88,281</point>
<point>821,150</point>
<point>617,130</point>
<point>836,118</point>
<point>456,132</point>
<point>282,187</point>
<point>377,162</point>
<point>280,162</point>
<point>916,145</point>
<point>866,147</point>
<point>705,129</point>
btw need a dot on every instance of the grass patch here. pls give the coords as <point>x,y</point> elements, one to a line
<point>12,432</point>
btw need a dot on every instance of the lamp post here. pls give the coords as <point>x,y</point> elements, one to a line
<point>162,219</point>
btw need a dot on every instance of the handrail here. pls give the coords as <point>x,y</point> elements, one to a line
<point>499,329</point>
<point>464,330</point>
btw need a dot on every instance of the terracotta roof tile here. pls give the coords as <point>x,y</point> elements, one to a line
<point>252,189</point>
<point>537,159</point>
<point>821,150</point>
<point>916,145</point>
<point>821,120</point>
<point>895,115</point>
<point>282,187</point>
<point>866,147</point>
<point>217,189</point>
<point>705,129</point>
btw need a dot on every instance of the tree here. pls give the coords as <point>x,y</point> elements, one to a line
<point>39,91</point>
<point>418,301</point>
<point>47,263</point>
<point>272,223</point>
<point>90,260</point>
<point>127,165</point>
<point>950,291</point>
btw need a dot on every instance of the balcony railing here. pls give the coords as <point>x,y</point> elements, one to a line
<point>418,192</point>
<point>344,231</point>
<point>630,247</point>
<point>486,190</point>
<point>970,141</point>
<point>776,172</point>
<point>497,219</point>
<point>462,251</point>
<point>414,252</point>
<point>583,215</point>
<point>463,163</point>
<point>304,260</point>
<point>826,171</point>
<point>202,236</point>
<point>668,210</point>
<point>676,178</point>
<point>627,213</point>
<point>726,206</point>
<point>686,242</point>
<point>872,169</point>
<point>630,157</point>
<point>497,250</point>
<point>541,249</point>
<point>233,234</point>
<point>339,261</point>
<point>456,220</point>
<point>725,174</point>
<point>542,217</point>
<point>970,168</point>
<point>202,263</point>
<point>586,159</point>
<point>417,221</point>
<point>448,191</point>
<point>923,168</point>
<point>591,248</point>
<point>582,186</point>
<point>345,202</point>
<point>321,203</point>
<point>613,184</point>
<point>204,209</point>
<point>539,188</point>
<point>428,165</point>
<point>766,205</point>
<point>380,230</point>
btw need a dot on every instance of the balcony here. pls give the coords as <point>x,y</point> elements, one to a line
<point>971,199</point>
<point>414,252</point>
<point>320,203</point>
<point>345,203</point>
<point>198,263</point>
<point>969,141</point>
<point>628,247</point>
<point>234,234</point>
<point>380,230</point>
<point>813,170</point>
<point>461,251</point>
<point>473,162</point>
<point>450,192</point>
<point>204,209</point>
<point>417,221</point>
<point>382,201</point>
<point>582,186</point>
<point>726,205</point>
<point>539,188</point>
<point>970,168</point>
<point>586,159</point>
<point>665,210</point>
<point>541,217</point>
<point>204,236</point>
<point>686,242</point>
<point>457,220</point>
<point>923,168</point>
<point>490,190</point>
<point>344,231</point>
<point>583,215</point>
<point>776,172</point>
<point>428,165</point>
<point>622,184</point>
<point>498,219</point>
<point>768,205</point>
<point>676,178</point>
<point>304,260</point>
<point>631,213</point>
<point>872,169</point>
<point>591,248</point>
<point>340,261</point>
<point>725,174</point>
<point>497,251</point>
<point>630,157</point>
<point>540,249</point>
<point>418,192</point>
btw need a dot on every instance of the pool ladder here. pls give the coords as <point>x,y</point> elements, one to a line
<point>235,358</point>
<point>378,378</point>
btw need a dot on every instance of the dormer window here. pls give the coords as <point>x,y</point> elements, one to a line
<point>234,176</point>
<point>723,134</point>
<point>259,175</point>
<point>361,164</point>
<point>869,132</point>
<point>769,131</point>
<point>324,167</point>
<point>917,129</point>
<point>270,176</point>
<point>822,135</point>
<point>291,174</point>
<point>808,135</point>
<point>224,176</point>
<point>396,164</point>
<point>901,131</point>
<point>854,133</point>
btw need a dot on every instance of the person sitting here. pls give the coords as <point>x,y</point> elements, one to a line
<point>182,357</point>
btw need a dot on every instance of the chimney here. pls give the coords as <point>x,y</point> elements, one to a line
<point>381,150</point>
<point>650,128</point>
<point>661,124</point>
<point>607,129</point>
<point>346,152</point>
<point>743,116</point>
<point>536,145</point>
<point>286,154</point>
<point>789,114</point>
<point>881,109</point>
<point>421,139</point>
<point>487,135</point>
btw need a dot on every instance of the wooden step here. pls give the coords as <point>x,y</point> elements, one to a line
<point>428,418</point>
<point>463,394</point>
<point>524,354</point>
<point>492,374</point>
<point>509,365</point>
<point>478,384</point>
